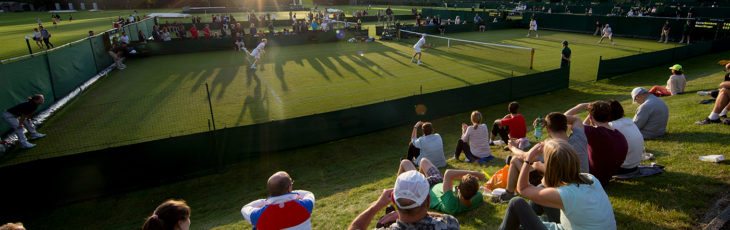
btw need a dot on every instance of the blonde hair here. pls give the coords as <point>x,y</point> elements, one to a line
<point>562,165</point>
<point>476,118</point>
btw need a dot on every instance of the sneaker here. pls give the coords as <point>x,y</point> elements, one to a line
<point>528,35</point>
<point>708,121</point>
<point>505,197</point>
<point>703,93</point>
<point>613,43</point>
<point>659,41</point>
<point>536,36</point>
<point>724,116</point>
<point>253,67</point>
<point>682,41</point>
<point>665,41</point>
<point>485,159</point>
<point>467,160</point>
<point>34,136</point>
<point>26,145</point>
<point>420,63</point>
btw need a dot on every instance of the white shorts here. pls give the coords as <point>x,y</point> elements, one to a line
<point>418,50</point>
<point>534,28</point>
<point>608,35</point>
<point>256,54</point>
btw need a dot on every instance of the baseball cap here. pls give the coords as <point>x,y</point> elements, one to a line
<point>637,91</point>
<point>676,67</point>
<point>411,185</point>
<point>565,42</point>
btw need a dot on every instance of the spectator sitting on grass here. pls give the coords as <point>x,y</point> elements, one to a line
<point>474,141</point>
<point>12,226</point>
<point>652,114</point>
<point>206,31</point>
<point>511,126</point>
<point>117,52</point>
<point>722,102</point>
<point>124,38</point>
<point>194,32</point>
<point>607,147</point>
<point>715,93</point>
<point>633,138</point>
<point>172,214</point>
<point>411,197</point>
<point>283,209</point>
<point>675,84</point>
<point>165,35</point>
<point>142,37</point>
<point>580,197</point>
<point>429,146</point>
<point>446,197</point>
<point>556,125</point>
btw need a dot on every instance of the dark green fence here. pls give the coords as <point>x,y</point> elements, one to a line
<point>151,163</point>
<point>469,27</point>
<point>57,72</point>
<point>613,67</point>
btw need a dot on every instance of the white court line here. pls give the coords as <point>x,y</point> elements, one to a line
<point>270,89</point>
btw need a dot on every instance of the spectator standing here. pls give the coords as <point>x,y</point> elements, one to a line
<point>598,28</point>
<point>206,31</point>
<point>194,32</point>
<point>582,202</point>
<point>607,147</point>
<point>283,209</point>
<point>131,19</point>
<point>46,36</point>
<point>172,214</point>
<point>411,197</point>
<point>252,29</point>
<point>389,13</point>
<point>474,141</point>
<point>38,20</point>
<point>633,138</point>
<point>429,146</point>
<point>19,118</point>
<point>652,114</point>
<point>565,56</point>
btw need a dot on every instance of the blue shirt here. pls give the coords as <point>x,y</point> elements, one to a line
<point>585,206</point>
<point>432,148</point>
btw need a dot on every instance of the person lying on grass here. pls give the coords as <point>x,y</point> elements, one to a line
<point>411,195</point>
<point>474,141</point>
<point>556,125</point>
<point>607,147</point>
<point>582,202</point>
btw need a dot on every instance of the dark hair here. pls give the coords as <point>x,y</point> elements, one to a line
<point>513,107</point>
<point>427,128</point>
<point>677,72</point>
<point>617,111</point>
<point>600,111</point>
<point>469,186</point>
<point>35,97</point>
<point>556,122</point>
<point>167,215</point>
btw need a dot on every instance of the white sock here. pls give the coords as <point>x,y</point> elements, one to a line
<point>714,116</point>
<point>724,112</point>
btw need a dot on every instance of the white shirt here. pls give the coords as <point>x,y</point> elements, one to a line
<point>634,138</point>
<point>607,31</point>
<point>457,21</point>
<point>124,39</point>
<point>260,46</point>
<point>533,23</point>
<point>478,140</point>
<point>419,43</point>
<point>131,18</point>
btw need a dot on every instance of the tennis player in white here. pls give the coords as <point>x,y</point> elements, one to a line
<point>417,47</point>
<point>607,33</point>
<point>257,52</point>
<point>533,27</point>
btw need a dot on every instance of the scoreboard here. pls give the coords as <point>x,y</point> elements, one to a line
<point>712,28</point>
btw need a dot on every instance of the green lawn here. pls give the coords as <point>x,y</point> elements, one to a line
<point>347,175</point>
<point>164,96</point>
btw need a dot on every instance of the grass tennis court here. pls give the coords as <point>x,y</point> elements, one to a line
<point>347,175</point>
<point>164,96</point>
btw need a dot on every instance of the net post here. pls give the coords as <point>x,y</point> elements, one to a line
<point>532,56</point>
<point>210,105</point>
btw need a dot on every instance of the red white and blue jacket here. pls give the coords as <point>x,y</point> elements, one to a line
<point>289,211</point>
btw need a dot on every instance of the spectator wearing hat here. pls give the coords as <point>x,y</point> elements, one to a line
<point>429,146</point>
<point>722,101</point>
<point>411,197</point>
<point>652,115</point>
<point>565,56</point>
<point>283,209</point>
<point>675,84</point>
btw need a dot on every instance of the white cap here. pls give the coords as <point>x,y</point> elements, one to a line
<point>411,185</point>
<point>637,91</point>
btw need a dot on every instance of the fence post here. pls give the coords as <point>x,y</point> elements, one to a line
<point>93,54</point>
<point>50,76</point>
<point>210,105</point>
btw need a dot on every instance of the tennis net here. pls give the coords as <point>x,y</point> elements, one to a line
<point>484,52</point>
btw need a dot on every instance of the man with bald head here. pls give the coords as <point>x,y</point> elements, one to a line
<point>283,209</point>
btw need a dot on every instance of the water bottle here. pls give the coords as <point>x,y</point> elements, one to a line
<point>538,129</point>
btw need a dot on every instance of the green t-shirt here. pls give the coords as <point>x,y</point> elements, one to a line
<point>448,202</point>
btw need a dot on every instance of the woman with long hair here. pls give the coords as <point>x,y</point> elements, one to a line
<point>580,197</point>
<point>474,141</point>
<point>170,215</point>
